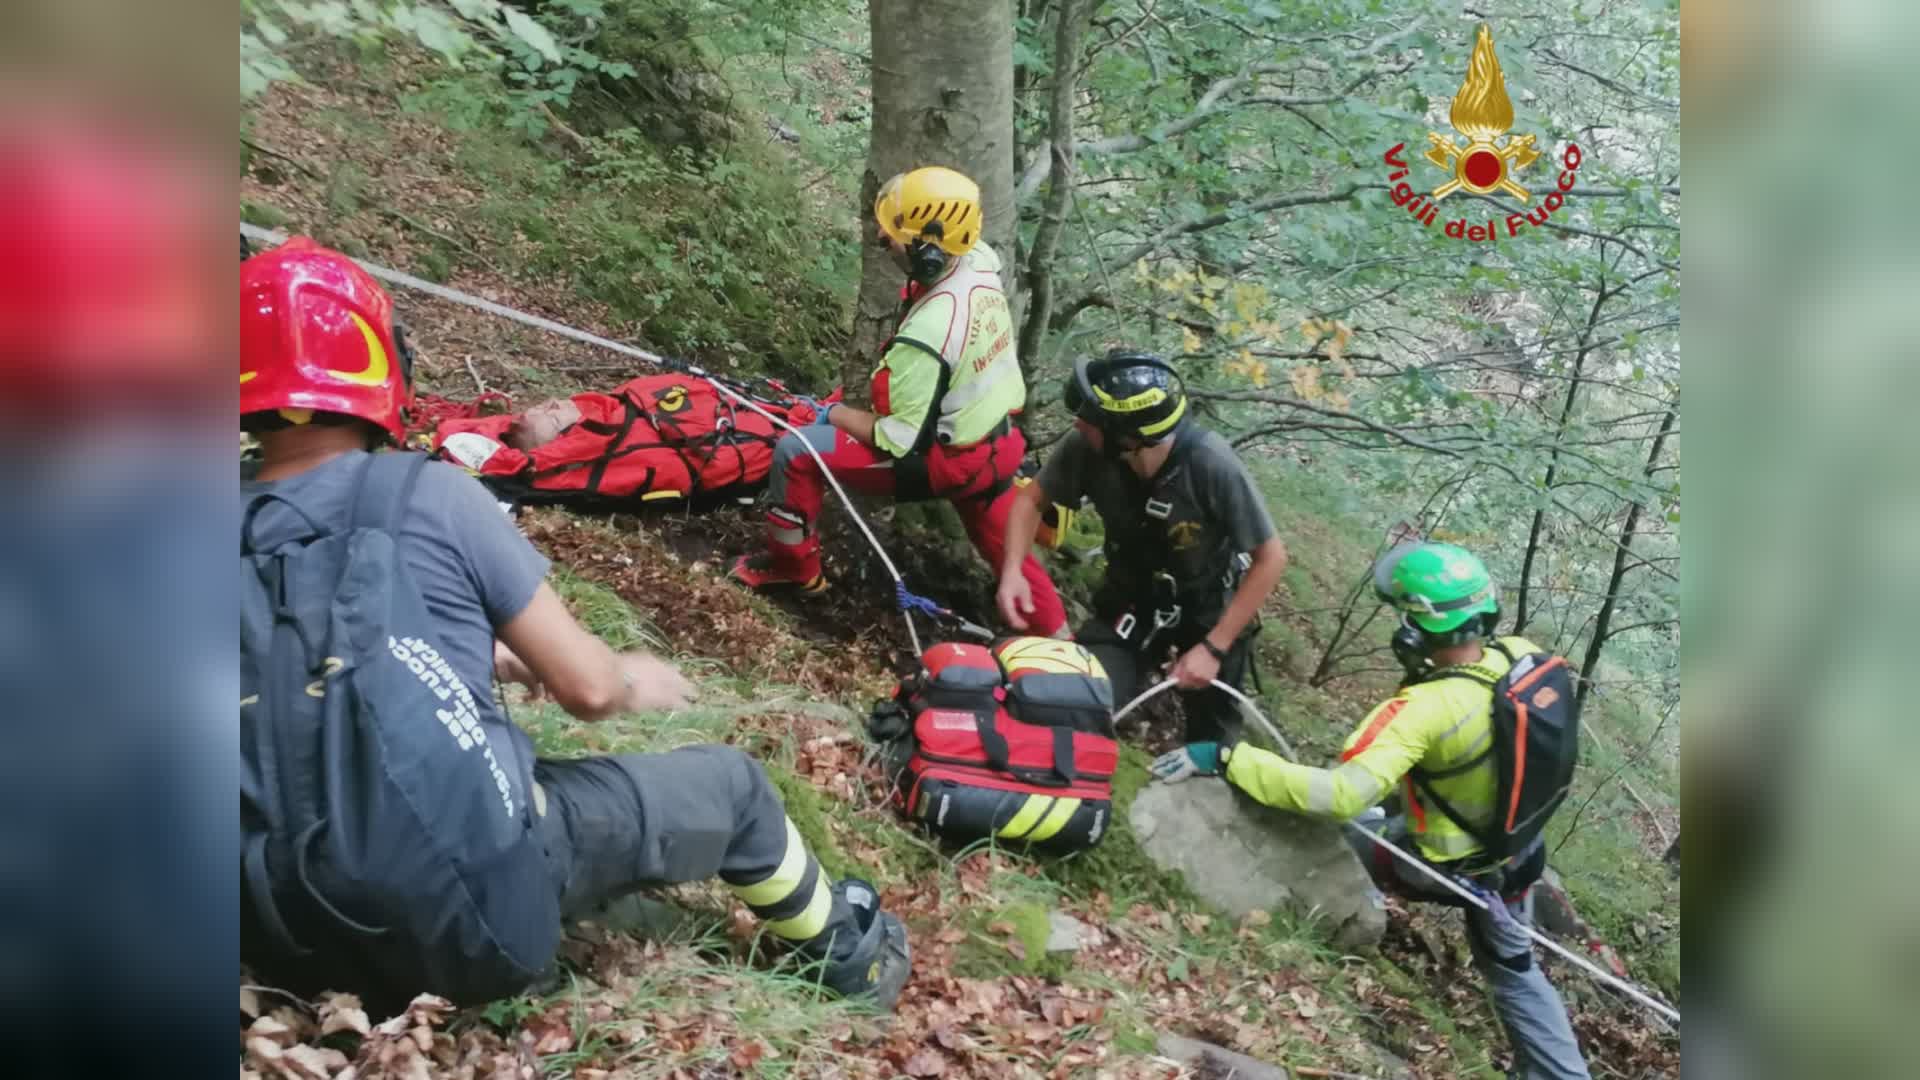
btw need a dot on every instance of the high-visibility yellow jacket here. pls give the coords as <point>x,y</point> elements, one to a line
<point>961,321</point>
<point>1438,725</point>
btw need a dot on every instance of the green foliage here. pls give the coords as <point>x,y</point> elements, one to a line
<point>538,56</point>
<point>705,251</point>
<point>1424,376</point>
<point>265,215</point>
<point>508,1014</point>
<point>712,254</point>
<point>1341,330</point>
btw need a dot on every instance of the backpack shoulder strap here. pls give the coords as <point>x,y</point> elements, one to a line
<point>930,427</point>
<point>1423,779</point>
<point>1457,672</point>
<point>1470,672</point>
<point>385,489</point>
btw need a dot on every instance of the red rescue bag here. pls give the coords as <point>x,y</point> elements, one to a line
<point>967,766</point>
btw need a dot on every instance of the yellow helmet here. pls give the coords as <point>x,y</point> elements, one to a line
<point>911,203</point>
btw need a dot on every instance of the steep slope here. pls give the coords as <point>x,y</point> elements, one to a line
<point>680,988</point>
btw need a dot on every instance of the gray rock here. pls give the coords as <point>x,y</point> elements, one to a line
<point>1068,934</point>
<point>1241,856</point>
<point>1393,1066</point>
<point>645,917</point>
<point>1553,909</point>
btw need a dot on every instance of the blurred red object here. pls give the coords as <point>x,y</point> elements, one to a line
<point>107,271</point>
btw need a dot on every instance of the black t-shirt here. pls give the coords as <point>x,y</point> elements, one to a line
<point>1190,520</point>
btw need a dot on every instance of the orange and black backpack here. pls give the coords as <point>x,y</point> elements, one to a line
<point>1536,746</point>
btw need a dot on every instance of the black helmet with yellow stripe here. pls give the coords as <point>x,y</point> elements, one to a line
<point>1128,396</point>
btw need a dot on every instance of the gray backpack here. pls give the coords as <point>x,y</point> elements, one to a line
<point>382,850</point>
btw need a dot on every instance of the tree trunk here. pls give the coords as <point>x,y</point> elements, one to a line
<point>1599,639</point>
<point>1553,461</point>
<point>942,95</point>
<point>1070,25</point>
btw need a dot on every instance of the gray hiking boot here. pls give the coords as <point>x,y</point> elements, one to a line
<point>877,962</point>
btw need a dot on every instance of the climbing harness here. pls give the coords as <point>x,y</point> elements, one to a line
<point>1468,892</point>
<point>736,389</point>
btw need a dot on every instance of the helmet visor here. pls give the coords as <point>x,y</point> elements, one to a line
<point>1383,569</point>
<point>1077,395</point>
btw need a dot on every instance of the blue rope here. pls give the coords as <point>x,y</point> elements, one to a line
<point>910,602</point>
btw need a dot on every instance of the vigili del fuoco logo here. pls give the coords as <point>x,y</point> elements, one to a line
<point>1491,162</point>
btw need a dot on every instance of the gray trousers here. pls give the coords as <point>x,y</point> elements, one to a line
<point>614,824</point>
<point>1529,1008</point>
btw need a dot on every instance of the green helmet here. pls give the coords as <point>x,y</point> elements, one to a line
<point>1440,588</point>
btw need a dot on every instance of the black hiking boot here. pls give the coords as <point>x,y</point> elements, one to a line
<point>873,965</point>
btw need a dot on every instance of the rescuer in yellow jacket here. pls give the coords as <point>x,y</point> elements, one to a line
<point>945,394</point>
<point>1443,726</point>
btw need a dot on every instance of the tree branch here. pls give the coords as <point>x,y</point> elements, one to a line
<point>1233,213</point>
<point>1400,435</point>
<point>1600,634</point>
<point>1210,105</point>
<point>1069,22</point>
<point>1337,414</point>
<point>1100,46</point>
<point>1558,61</point>
<point>1065,316</point>
<point>1575,230</point>
<point>1614,632</point>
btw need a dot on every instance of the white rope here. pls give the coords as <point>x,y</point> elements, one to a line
<point>907,614</point>
<point>480,303</point>
<point>1420,864</point>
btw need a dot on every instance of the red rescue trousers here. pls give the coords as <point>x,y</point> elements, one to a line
<point>975,479</point>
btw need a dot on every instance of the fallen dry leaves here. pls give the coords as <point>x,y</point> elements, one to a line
<point>702,614</point>
<point>671,569</point>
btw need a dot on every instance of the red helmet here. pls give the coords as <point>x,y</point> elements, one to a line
<point>317,333</point>
<point>104,279</point>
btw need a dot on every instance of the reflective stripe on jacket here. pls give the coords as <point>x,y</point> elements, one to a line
<point>962,320</point>
<point>1437,725</point>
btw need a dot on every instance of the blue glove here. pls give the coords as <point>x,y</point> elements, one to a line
<point>819,411</point>
<point>1193,759</point>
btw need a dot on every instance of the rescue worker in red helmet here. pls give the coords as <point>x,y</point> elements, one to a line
<point>324,378</point>
<point>944,394</point>
<point>319,346</point>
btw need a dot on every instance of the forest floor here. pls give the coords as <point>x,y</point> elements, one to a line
<point>679,984</point>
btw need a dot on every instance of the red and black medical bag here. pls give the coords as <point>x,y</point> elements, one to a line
<point>1013,742</point>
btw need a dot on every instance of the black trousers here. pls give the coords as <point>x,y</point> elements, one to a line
<point>1133,664</point>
